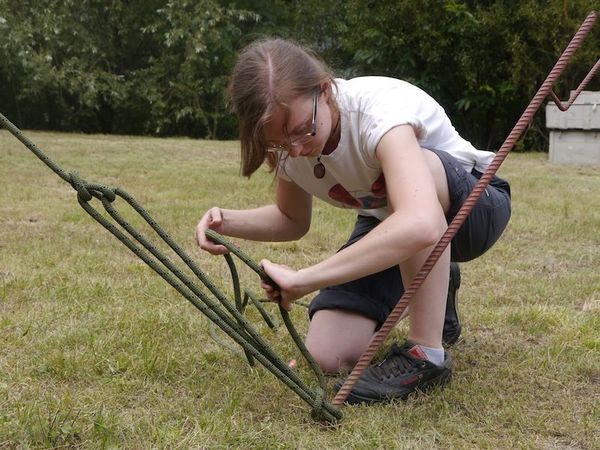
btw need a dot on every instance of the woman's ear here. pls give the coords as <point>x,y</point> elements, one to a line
<point>326,90</point>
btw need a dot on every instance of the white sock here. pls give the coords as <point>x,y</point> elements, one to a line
<point>434,355</point>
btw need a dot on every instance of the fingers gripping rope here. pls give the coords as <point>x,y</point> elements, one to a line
<point>462,214</point>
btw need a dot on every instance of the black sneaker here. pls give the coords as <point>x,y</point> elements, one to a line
<point>452,327</point>
<point>402,372</point>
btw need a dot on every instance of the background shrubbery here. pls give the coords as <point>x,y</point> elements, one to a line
<point>160,68</point>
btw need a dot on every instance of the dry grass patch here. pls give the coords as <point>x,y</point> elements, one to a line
<point>98,352</point>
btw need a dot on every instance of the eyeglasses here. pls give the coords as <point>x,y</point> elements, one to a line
<point>298,140</point>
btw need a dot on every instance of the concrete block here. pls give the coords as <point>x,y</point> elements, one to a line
<point>575,147</point>
<point>584,113</point>
<point>575,133</point>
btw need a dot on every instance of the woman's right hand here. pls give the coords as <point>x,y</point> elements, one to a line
<point>211,220</point>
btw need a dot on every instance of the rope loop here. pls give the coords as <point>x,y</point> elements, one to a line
<point>80,186</point>
<point>222,313</point>
<point>103,191</point>
<point>86,191</point>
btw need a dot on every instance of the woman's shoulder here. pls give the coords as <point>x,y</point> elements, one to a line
<point>380,89</point>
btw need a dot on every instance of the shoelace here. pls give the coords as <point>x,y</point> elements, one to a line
<point>397,362</point>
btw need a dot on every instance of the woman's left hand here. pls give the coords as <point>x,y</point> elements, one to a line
<point>291,284</point>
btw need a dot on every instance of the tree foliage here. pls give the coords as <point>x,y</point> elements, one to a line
<point>482,60</point>
<point>155,67</point>
<point>139,66</point>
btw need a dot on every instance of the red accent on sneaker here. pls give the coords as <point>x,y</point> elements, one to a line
<point>418,352</point>
<point>410,380</point>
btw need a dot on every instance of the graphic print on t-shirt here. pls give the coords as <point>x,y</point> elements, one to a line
<point>376,198</point>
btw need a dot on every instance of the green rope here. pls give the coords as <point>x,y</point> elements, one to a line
<point>225,314</point>
<point>217,238</point>
<point>270,320</point>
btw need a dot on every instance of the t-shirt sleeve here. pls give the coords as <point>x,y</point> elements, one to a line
<point>389,109</point>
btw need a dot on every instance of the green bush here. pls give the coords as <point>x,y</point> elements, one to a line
<point>150,67</point>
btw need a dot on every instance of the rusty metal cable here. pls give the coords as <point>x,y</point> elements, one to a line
<point>544,91</point>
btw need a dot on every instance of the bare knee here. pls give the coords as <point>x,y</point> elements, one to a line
<point>337,338</point>
<point>327,363</point>
<point>331,361</point>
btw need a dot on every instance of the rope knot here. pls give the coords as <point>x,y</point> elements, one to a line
<point>106,192</point>
<point>317,411</point>
<point>80,186</point>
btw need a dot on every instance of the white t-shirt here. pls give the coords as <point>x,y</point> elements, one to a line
<point>369,108</point>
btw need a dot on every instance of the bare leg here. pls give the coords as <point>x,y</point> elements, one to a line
<point>428,306</point>
<point>336,338</point>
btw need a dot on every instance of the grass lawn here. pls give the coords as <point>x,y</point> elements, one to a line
<point>96,351</point>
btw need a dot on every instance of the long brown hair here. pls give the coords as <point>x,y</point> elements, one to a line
<point>269,73</point>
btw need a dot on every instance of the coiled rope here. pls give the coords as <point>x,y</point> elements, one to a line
<point>515,134</point>
<point>221,311</point>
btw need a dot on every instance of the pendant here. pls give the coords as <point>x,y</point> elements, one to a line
<point>319,170</point>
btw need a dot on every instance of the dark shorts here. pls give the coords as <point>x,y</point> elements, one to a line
<point>376,295</point>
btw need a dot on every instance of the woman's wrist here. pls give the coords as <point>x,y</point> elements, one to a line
<point>307,280</point>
